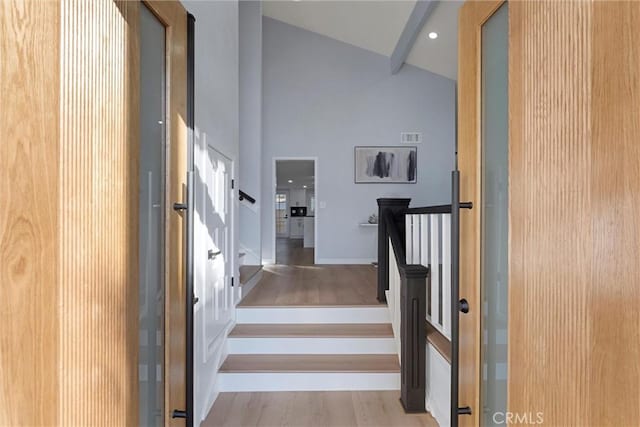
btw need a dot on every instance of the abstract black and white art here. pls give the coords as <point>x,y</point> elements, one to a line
<point>385,165</point>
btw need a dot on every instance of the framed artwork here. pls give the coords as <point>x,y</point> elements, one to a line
<point>384,165</point>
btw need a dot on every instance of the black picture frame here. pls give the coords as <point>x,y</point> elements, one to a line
<point>377,150</point>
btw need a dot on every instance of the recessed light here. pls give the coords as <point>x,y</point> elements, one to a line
<point>290,181</point>
<point>433,35</point>
<point>304,186</point>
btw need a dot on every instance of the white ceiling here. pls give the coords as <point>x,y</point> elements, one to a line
<point>301,172</point>
<point>376,26</point>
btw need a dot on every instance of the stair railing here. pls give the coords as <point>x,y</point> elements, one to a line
<point>418,277</point>
<point>406,297</point>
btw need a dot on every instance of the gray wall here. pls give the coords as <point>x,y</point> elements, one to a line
<point>217,123</point>
<point>321,98</point>
<point>250,43</point>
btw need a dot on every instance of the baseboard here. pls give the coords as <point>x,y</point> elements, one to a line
<point>268,261</point>
<point>345,260</point>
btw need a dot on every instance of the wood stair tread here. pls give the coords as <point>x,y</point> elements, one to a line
<point>247,272</point>
<point>266,363</point>
<point>313,330</point>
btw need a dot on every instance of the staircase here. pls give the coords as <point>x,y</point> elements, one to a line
<point>311,348</point>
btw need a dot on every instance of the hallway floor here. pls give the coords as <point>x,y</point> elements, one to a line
<point>319,408</point>
<point>296,281</point>
<point>319,285</point>
<point>292,252</point>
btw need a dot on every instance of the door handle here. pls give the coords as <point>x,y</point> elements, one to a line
<point>212,255</point>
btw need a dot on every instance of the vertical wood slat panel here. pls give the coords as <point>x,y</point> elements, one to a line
<point>29,133</point>
<point>97,219</point>
<point>549,125</point>
<point>574,132</point>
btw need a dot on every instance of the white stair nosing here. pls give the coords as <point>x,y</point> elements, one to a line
<point>307,381</point>
<point>311,345</point>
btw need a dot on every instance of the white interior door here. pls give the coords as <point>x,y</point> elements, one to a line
<point>213,254</point>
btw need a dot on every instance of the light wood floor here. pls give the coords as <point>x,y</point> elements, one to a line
<point>302,409</point>
<point>319,285</point>
<point>293,252</point>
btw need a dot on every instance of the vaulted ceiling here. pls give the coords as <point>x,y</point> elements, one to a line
<point>377,26</point>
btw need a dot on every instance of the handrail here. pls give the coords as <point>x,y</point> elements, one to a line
<point>396,241</point>
<point>437,209</point>
<point>244,196</point>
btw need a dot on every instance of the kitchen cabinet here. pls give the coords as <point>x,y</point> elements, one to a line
<point>296,230</point>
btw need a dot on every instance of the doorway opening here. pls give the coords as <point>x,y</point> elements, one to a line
<point>295,221</point>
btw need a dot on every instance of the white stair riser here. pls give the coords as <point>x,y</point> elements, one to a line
<point>248,287</point>
<point>312,345</point>
<point>312,315</point>
<point>307,381</point>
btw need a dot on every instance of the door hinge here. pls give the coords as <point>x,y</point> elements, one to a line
<point>232,281</point>
<point>233,183</point>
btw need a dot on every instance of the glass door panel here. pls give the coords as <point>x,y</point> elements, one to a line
<point>152,218</point>
<point>282,215</point>
<point>495,216</point>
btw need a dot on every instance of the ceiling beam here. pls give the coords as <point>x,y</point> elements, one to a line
<point>421,12</point>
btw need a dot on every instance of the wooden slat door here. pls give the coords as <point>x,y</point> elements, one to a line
<point>69,126</point>
<point>574,193</point>
<point>574,323</point>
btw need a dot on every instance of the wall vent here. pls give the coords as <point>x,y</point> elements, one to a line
<point>410,137</point>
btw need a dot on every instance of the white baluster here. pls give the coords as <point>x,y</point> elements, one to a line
<point>415,237</point>
<point>446,274</point>
<point>435,274</point>
<point>408,222</point>
<point>425,242</point>
<point>393,297</point>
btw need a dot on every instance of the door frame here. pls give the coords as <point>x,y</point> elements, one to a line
<point>471,18</point>
<point>272,197</point>
<point>174,17</point>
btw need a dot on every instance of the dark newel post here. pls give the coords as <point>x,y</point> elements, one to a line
<point>413,337</point>
<point>394,206</point>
